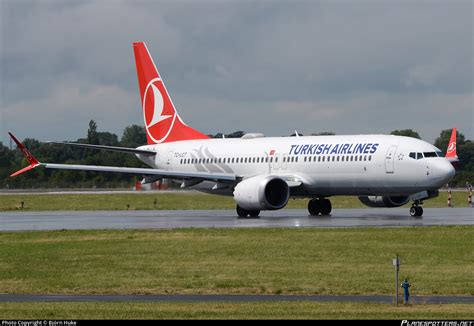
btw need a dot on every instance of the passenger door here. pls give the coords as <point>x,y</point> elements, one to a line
<point>390,159</point>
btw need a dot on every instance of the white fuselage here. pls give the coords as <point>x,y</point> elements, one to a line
<point>327,165</point>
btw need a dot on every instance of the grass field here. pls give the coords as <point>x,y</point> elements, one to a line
<point>438,260</point>
<point>213,310</point>
<point>169,200</point>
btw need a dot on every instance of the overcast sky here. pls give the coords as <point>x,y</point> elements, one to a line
<point>350,67</point>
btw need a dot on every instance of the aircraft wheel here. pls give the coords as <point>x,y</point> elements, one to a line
<point>416,211</point>
<point>242,212</point>
<point>314,207</point>
<point>326,207</point>
<point>254,214</point>
<point>419,211</point>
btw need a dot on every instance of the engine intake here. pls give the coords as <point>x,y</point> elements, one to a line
<point>262,192</point>
<point>384,201</point>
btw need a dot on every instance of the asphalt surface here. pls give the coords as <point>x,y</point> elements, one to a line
<point>173,219</point>
<point>228,298</point>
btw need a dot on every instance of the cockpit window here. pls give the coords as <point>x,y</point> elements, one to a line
<point>416,156</point>
<point>430,154</point>
<point>439,153</point>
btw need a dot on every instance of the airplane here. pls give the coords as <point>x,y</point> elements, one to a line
<point>263,173</point>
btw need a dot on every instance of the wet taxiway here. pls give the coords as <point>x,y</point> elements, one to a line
<point>172,219</point>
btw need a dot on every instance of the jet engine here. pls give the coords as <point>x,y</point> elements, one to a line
<point>262,192</point>
<point>384,201</point>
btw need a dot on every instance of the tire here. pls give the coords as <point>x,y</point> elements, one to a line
<point>413,211</point>
<point>254,214</point>
<point>242,212</point>
<point>314,207</point>
<point>326,207</point>
<point>419,211</point>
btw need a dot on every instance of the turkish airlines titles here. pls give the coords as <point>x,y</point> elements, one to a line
<point>329,149</point>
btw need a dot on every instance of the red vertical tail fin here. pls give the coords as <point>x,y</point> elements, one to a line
<point>162,121</point>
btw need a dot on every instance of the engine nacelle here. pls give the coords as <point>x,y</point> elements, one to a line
<point>262,192</point>
<point>384,201</point>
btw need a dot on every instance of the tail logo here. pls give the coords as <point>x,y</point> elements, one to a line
<point>451,148</point>
<point>159,114</point>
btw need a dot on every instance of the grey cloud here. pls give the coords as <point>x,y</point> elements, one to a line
<point>370,66</point>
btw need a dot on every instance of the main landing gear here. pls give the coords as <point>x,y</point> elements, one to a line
<point>416,210</point>
<point>318,206</point>
<point>243,213</point>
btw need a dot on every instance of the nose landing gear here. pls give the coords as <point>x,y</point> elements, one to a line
<point>416,210</point>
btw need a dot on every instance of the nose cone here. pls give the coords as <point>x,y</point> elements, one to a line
<point>443,172</point>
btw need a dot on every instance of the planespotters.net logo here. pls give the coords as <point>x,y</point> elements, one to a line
<point>437,323</point>
<point>158,111</point>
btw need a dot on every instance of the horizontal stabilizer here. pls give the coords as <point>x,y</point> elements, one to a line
<point>33,163</point>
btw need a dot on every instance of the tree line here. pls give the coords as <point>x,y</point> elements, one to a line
<point>133,136</point>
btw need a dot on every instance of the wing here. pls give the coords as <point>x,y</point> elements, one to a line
<point>107,148</point>
<point>33,163</point>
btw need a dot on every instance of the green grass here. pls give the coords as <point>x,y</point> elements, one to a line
<point>438,261</point>
<point>165,201</point>
<point>214,310</point>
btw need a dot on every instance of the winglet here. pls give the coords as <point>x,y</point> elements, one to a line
<point>451,153</point>
<point>31,159</point>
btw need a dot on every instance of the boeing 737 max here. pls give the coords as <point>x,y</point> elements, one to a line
<point>262,173</point>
